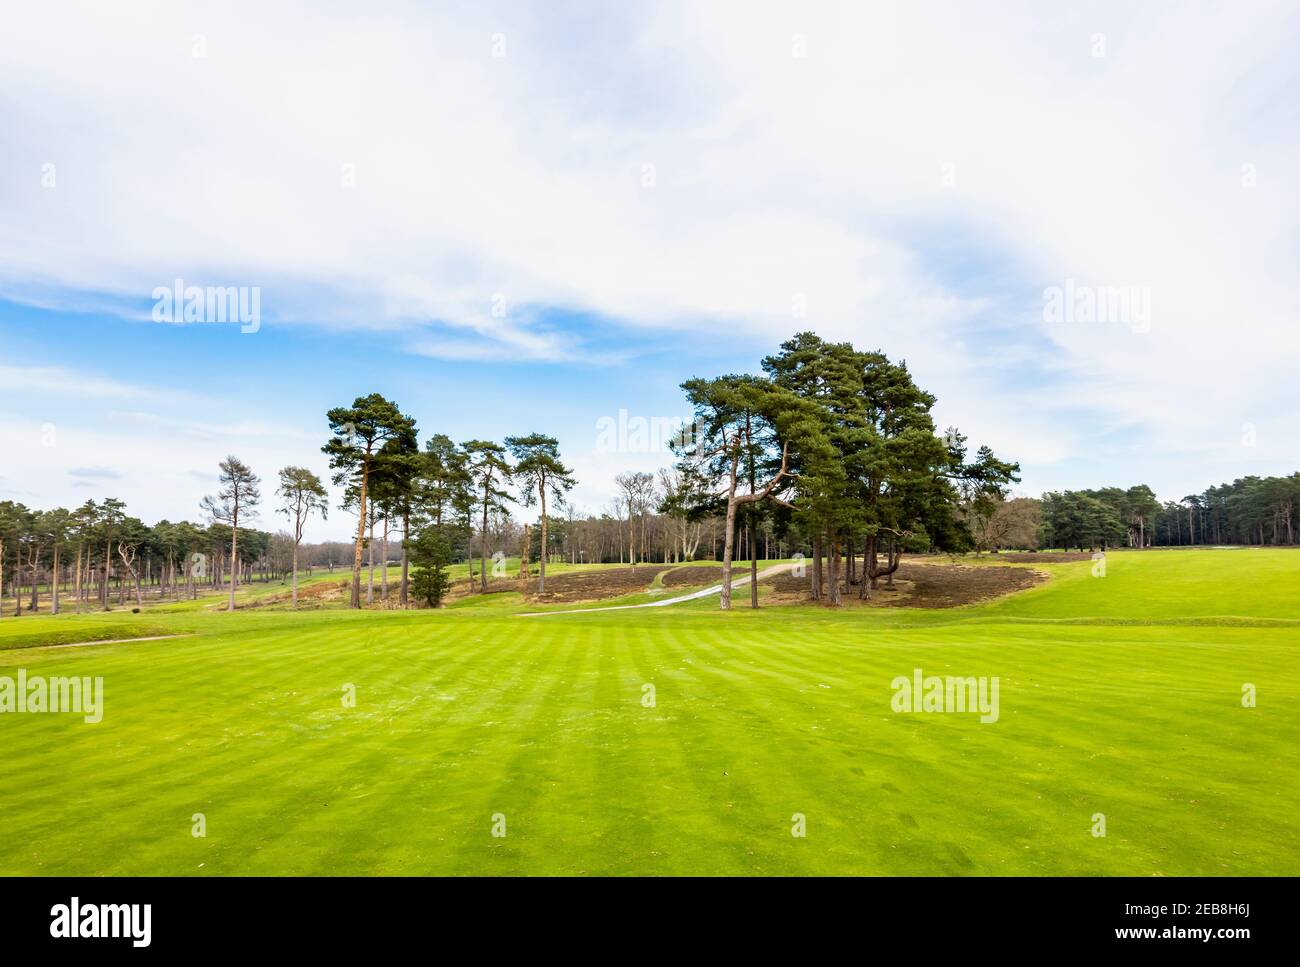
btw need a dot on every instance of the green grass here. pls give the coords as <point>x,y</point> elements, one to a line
<point>71,629</point>
<point>1118,695</point>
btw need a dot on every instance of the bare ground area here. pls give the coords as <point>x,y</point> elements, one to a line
<point>1042,557</point>
<point>314,595</point>
<point>560,588</point>
<point>921,586</point>
<point>594,585</point>
<point>321,594</point>
<point>685,577</point>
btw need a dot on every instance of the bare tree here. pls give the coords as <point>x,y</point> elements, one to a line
<point>634,490</point>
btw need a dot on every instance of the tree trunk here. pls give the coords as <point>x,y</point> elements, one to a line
<point>482,544</point>
<point>753,557</point>
<point>234,552</point>
<point>728,542</point>
<point>406,538</point>
<point>361,534</point>
<point>383,564</point>
<point>76,581</point>
<point>833,572</point>
<point>868,567</point>
<point>370,573</point>
<point>541,555</point>
<point>816,567</point>
<point>631,534</point>
<point>294,580</point>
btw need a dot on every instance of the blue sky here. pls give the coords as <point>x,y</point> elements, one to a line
<point>511,218</point>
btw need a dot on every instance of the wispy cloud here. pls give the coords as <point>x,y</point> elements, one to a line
<point>53,379</point>
<point>95,473</point>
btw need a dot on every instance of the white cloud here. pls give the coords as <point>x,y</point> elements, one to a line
<point>61,381</point>
<point>385,170</point>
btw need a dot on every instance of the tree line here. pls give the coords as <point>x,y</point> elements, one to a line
<point>1250,510</point>
<point>98,553</point>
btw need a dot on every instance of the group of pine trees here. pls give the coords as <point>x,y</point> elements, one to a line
<point>839,445</point>
<point>438,495</point>
<point>1091,519</point>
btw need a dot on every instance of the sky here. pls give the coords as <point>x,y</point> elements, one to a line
<point>544,217</point>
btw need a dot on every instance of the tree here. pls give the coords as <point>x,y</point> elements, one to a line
<point>303,494</point>
<point>1080,519</point>
<point>828,507</point>
<point>734,415</point>
<point>132,535</point>
<point>1016,523</point>
<point>684,492</point>
<point>430,555</point>
<point>634,488</point>
<point>190,538</point>
<point>489,471</point>
<point>11,517</point>
<point>58,524</point>
<point>885,475</point>
<point>82,529</point>
<point>539,470</point>
<point>982,488</point>
<point>443,478</point>
<point>1142,508</point>
<point>444,491</point>
<point>111,514</point>
<point>239,492</point>
<point>396,489</point>
<point>360,431</point>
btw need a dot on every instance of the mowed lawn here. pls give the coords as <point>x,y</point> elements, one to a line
<point>1118,695</point>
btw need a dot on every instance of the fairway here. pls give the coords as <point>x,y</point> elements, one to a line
<point>1119,695</point>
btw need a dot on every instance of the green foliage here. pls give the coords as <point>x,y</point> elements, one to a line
<point>360,431</point>
<point>1250,510</point>
<point>303,494</point>
<point>1081,519</point>
<point>538,468</point>
<point>430,553</point>
<point>239,494</point>
<point>886,474</point>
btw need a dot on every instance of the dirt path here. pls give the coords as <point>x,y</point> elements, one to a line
<point>704,593</point>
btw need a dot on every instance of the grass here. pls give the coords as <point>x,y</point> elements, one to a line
<point>1119,696</point>
<point>72,629</point>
